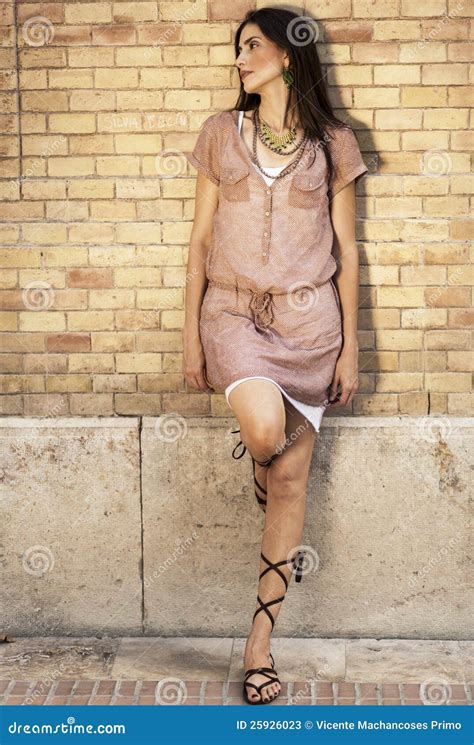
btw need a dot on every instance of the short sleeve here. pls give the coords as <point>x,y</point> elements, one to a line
<point>205,156</point>
<point>347,159</point>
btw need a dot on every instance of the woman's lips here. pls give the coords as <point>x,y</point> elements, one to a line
<point>244,75</point>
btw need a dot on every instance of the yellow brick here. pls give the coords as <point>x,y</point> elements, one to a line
<point>42,321</point>
<point>88,13</point>
<point>350,75</point>
<point>91,404</point>
<point>47,101</point>
<point>91,233</point>
<point>116,210</point>
<point>446,206</point>
<point>446,119</point>
<point>68,383</point>
<point>448,382</point>
<point>107,78</point>
<point>461,404</point>
<point>190,56</point>
<point>21,384</point>
<point>113,342</point>
<point>137,277</point>
<point>176,11</point>
<point>424,185</point>
<point>398,119</point>
<point>462,184</point>
<point>89,57</point>
<point>72,123</point>
<point>452,74</point>
<point>113,383</point>
<point>423,8</point>
<point>42,57</point>
<point>43,145</point>
<point>44,189</point>
<point>421,51</point>
<point>138,189</point>
<point>53,277</point>
<point>413,404</point>
<point>399,382</point>
<point>138,143</point>
<point>206,33</point>
<point>34,79</point>
<point>375,404</point>
<point>433,230</point>
<point>379,275</point>
<point>425,318</point>
<point>139,57</point>
<point>395,30</point>
<point>45,233</point>
<point>118,166</point>
<point>111,298</point>
<point>137,404</point>
<point>101,144</point>
<point>400,297</point>
<point>164,298</point>
<point>8,278</point>
<point>136,363</point>
<point>20,257</point>
<point>90,320</point>
<point>138,233</point>
<point>91,100</point>
<point>65,257</point>
<point>373,97</point>
<point>423,275</point>
<point>461,275</point>
<point>139,100</point>
<point>447,339</point>
<point>8,321</point>
<point>397,74</point>
<point>421,96</point>
<point>460,361</point>
<point>88,362</point>
<point>368,9</point>
<point>113,256</point>
<point>90,189</point>
<point>398,207</point>
<point>425,140</point>
<point>80,166</point>
<point>398,339</point>
<point>135,12</point>
<point>70,79</point>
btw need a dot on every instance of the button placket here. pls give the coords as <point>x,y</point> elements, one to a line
<point>266,225</point>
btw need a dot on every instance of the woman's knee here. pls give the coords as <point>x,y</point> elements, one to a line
<point>264,435</point>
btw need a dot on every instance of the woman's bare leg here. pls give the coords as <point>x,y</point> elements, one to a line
<point>269,424</point>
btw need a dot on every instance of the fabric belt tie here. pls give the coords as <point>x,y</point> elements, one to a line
<point>261,303</point>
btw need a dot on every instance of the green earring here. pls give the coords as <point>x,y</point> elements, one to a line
<point>288,77</point>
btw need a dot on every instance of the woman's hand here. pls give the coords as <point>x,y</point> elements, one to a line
<point>194,364</point>
<point>345,377</point>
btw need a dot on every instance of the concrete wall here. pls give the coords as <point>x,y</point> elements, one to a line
<point>128,526</point>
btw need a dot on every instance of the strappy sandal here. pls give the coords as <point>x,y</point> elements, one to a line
<point>270,672</point>
<point>262,501</point>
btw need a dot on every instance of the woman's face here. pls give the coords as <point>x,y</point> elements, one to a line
<point>259,55</point>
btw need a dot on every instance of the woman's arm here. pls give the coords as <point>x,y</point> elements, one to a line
<point>347,281</point>
<point>206,200</point>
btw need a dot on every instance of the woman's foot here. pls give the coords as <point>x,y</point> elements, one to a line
<point>257,654</point>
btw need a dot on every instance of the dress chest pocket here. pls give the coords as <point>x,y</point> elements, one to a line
<point>235,183</point>
<point>307,190</point>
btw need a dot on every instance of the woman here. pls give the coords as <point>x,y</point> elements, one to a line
<point>274,221</point>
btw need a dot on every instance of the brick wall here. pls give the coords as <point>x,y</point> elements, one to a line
<point>94,226</point>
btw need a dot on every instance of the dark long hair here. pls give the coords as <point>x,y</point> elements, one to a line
<point>308,93</point>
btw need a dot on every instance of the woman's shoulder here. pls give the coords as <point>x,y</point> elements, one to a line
<point>220,120</point>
